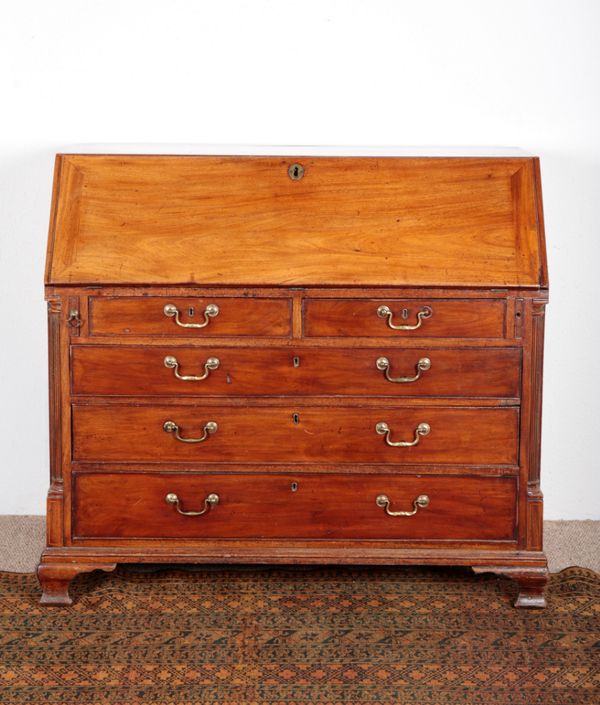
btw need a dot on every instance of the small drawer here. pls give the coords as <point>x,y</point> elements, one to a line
<point>287,506</point>
<point>434,318</point>
<point>202,317</point>
<point>234,434</point>
<point>230,371</point>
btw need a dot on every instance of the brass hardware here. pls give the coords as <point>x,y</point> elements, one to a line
<point>296,418</point>
<point>210,500</point>
<point>210,311</point>
<point>386,312</point>
<point>383,501</point>
<point>211,364</point>
<point>210,427</point>
<point>73,319</point>
<point>384,430</point>
<point>383,364</point>
<point>294,486</point>
<point>295,172</point>
<point>296,361</point>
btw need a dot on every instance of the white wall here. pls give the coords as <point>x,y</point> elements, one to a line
<point>514,72</point>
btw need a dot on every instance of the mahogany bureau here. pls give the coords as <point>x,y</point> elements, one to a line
<point>310,360</point>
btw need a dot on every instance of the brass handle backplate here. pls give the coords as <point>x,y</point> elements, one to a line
<point>210,500</point>
<point>211,364</point>
<point>210,427</point>
<point>384,430</point>
<point>386,312</point>
<point>383,501</point>
<point>210,311</point>
<point>383,364</point>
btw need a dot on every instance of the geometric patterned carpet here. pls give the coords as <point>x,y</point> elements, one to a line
<point>236,636</point>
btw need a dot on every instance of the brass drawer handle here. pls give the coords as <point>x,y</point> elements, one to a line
<point>210,427</point>
<point>211,364</point>
<point>384,501</point>
<point>386,312</point>
<point>383,364</point>
<point>210,500</point>
<point>384,430</point>
<point>210,311</point>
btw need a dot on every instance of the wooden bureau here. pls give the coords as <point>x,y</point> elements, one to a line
<point>311,360</point>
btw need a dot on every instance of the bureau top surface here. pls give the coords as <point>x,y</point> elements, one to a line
<point>351,221</point>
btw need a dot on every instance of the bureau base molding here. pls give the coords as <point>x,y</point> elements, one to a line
<point>59,566</point>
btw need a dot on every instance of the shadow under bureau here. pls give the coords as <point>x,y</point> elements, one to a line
<point>311,360</point>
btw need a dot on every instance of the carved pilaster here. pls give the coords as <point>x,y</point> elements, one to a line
<point>534,493</point>
<point>54,522</point>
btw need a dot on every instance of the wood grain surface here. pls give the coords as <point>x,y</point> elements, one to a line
<point>485,436</point>
<point>237,316</point>
<point>242,220</point>
<point>448,318</point>
<point>266,506</point>
<point>140,371</point>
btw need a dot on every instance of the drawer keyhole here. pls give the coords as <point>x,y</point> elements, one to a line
<point>404,313</point>
<point>295,172</point>
<point>294,486</point>
<point>191,311</point>
<point>296,361</point>
<point>296,418</point>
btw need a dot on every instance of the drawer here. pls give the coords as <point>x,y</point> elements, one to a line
<point>436,318</point>
<point>173,316</point>
<point>287,506</point>
<point>223,371</point>
<point>457,436</point>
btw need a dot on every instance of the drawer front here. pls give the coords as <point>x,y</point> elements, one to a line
<point>289,506</point>
<point>419,318</point>
<point>172,316</point>
<point>482,436</point>
<point>222,371</point>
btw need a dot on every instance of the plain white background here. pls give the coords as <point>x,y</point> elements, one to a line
<point>524,73</point>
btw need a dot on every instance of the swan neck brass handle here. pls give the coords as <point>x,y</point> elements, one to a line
<point>383,364</point>
<point>386,312</point>
<point>171,311</point>
<point>384,430</point>
<point>421,501</point>
<point>211,364</point>
<point>210,501</point>
<point>210,427</point>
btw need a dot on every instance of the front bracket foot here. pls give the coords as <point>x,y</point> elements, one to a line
<point>531,582</point>
<point>55,579</point>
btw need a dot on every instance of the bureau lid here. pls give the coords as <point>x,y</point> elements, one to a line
<point>393,221</point>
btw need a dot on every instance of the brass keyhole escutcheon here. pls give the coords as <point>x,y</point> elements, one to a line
<point>294,486</point>
<point>295,172</point>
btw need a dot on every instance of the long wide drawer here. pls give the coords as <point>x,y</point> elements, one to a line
<point>402,318</point>
<point>184,433</point>
<point>205,317</point>
<point>130,505</point>
<point>223,371</point>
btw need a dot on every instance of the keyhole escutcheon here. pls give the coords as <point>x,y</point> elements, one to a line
<point>295,172</point>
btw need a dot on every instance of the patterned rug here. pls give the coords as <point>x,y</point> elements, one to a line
<point>418,636</point>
